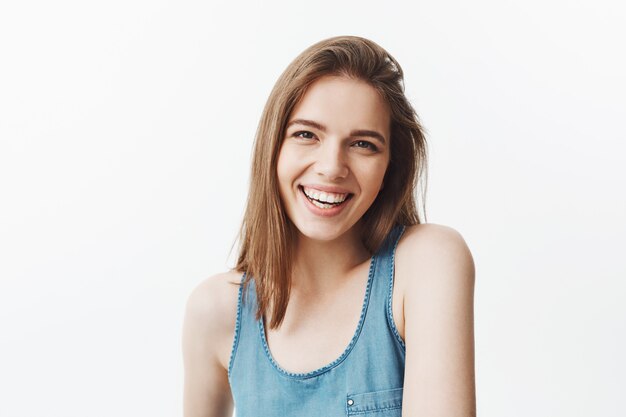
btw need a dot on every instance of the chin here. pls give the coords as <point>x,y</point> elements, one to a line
<point>325,233</point>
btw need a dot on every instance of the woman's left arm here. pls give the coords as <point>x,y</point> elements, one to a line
<point>439,379</point>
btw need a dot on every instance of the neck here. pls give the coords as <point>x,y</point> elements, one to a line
<point>320,266</point>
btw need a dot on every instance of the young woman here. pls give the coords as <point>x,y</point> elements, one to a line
<point>343,302</point>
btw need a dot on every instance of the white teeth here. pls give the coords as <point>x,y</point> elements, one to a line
<point>321,205</point>
<point>323,196</point>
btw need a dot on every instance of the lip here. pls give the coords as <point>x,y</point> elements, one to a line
<point>327,188</point>
<point>330,212</point>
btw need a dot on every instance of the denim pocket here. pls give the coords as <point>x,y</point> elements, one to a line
<point>387,403</point>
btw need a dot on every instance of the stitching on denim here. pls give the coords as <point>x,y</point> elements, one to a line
<point>345,353</point>
<point>393,402</point>
<point>237,328</point>
<point>390,290</point>
<point>374,410</point>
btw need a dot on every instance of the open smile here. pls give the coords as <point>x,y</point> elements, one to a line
<point>324,203</point>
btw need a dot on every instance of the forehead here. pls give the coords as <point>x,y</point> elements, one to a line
<point>343,103</point>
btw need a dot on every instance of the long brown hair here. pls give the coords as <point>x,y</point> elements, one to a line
<point>267,236</point>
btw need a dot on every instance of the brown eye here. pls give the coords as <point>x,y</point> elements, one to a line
<point>304,134</point>
<point>365,145</point>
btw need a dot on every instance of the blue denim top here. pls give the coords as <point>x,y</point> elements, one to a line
<point>366,380</point>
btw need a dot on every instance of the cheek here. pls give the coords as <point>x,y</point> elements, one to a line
<point>280,162</point>
<point>282,179</point>
<point>284,168</point>
<point>373,177</point>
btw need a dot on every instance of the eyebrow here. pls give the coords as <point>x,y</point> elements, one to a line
<point>359,132</point>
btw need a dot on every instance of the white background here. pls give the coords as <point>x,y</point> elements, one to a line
<point>125,136</point>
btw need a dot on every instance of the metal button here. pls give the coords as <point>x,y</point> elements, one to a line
<point>350,402</point>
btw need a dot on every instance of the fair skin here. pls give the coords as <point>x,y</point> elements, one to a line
<point>337,136</point>
<point>432,302</point>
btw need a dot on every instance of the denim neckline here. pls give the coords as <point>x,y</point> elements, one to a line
<point>346,352</point>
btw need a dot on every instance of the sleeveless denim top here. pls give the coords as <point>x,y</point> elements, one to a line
<point>366,380</point>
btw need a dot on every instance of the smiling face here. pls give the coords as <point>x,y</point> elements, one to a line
<point>334,156</point>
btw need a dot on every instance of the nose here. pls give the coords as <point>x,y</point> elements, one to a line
<point>331,162</point>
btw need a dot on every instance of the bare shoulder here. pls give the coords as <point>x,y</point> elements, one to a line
<point>212,309</point>
<point>437,270</point>
<point>430,234</point>
<point>214,294</point>
<point>208,333</point>
<point>429,247</point>
<point>430,258</point>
